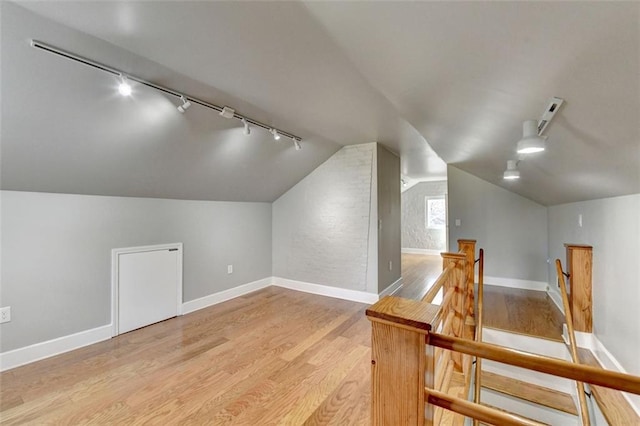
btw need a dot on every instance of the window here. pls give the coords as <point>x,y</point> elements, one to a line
<point>436,212</point>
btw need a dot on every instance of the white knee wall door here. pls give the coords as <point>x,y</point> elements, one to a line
<point>148,286</point>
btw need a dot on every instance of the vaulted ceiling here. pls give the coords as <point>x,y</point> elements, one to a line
<point>452,78</point>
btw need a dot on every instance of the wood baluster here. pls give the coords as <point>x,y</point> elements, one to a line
<point>478,372</point>
<point>584,410</point>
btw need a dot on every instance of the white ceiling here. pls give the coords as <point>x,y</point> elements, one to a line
<point>462,76</point>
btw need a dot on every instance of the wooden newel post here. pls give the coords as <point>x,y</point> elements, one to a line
<point>401,362</point>
<point>579,264</point>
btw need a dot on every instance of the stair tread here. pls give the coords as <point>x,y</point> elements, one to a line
<point>613,405</point>
<point>530,392</point>
<point>509,412</point>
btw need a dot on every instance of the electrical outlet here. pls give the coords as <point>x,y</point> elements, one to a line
<point>229,269</point>
<point>391,265</point>
<point>5,314</point>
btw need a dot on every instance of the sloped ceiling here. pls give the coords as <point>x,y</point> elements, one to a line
<point>460,76</point>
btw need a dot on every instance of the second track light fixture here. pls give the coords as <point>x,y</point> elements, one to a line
<point>512,171</point>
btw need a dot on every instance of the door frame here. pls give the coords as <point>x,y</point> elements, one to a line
<point>115,281</point>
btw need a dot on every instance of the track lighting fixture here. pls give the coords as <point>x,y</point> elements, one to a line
<point>512,171</point>
<point>403,182</point>
<point>185,104</point>
<point>531,141</point>
<point>124,88</point>
<point>247,129</point>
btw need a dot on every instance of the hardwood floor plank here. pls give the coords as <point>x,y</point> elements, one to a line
<point>312,399</point>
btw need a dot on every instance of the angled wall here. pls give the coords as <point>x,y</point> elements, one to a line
<point>321,226</point>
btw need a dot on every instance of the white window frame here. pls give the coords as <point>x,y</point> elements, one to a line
<point>426,211</point>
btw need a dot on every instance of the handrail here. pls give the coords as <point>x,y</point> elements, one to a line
<point>554,366</point>
<point>584,411</point>
<point>478,372</point>
<point>477,411</point>
<point>437,285</point>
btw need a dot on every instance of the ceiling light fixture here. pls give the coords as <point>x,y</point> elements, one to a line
<point>185,104</point>
<point>512,171</point>
<point>124,88</point>
<point>296,144</point>
<point>531,142</point>
<point>247,129</point>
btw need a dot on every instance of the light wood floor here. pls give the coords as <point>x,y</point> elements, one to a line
<point>515,310</point>
<point>275,356</point>
<point>522,311</point>
<point>419,272</point>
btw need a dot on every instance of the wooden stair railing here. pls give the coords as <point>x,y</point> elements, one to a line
<point>584,410</point>
<point>403,365</point>
<point>413,357</point>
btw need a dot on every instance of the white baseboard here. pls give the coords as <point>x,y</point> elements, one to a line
<point>515,283</point>
<point>38,351</point>
<point>325,290</point>
<point>223,296</point>
<point>392,288</point>
<point>431,252</point>
<point>557,299</point>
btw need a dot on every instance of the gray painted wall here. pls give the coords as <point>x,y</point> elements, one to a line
<point>389,230</point>
<point>321,225</point>
<point>612,227</point>
<point>415,233</point>
<point>510,228</point>
<point>56,254</point>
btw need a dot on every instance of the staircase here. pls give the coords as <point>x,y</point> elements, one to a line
<point>430,367</point>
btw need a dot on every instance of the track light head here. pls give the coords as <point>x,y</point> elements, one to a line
<point>296,144</point>
<point>531,141</point>
<point>124,88</point>
<point>512,171</point>
<point>185,104</point>
<point>247,129</point>
<point>275,134</point>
